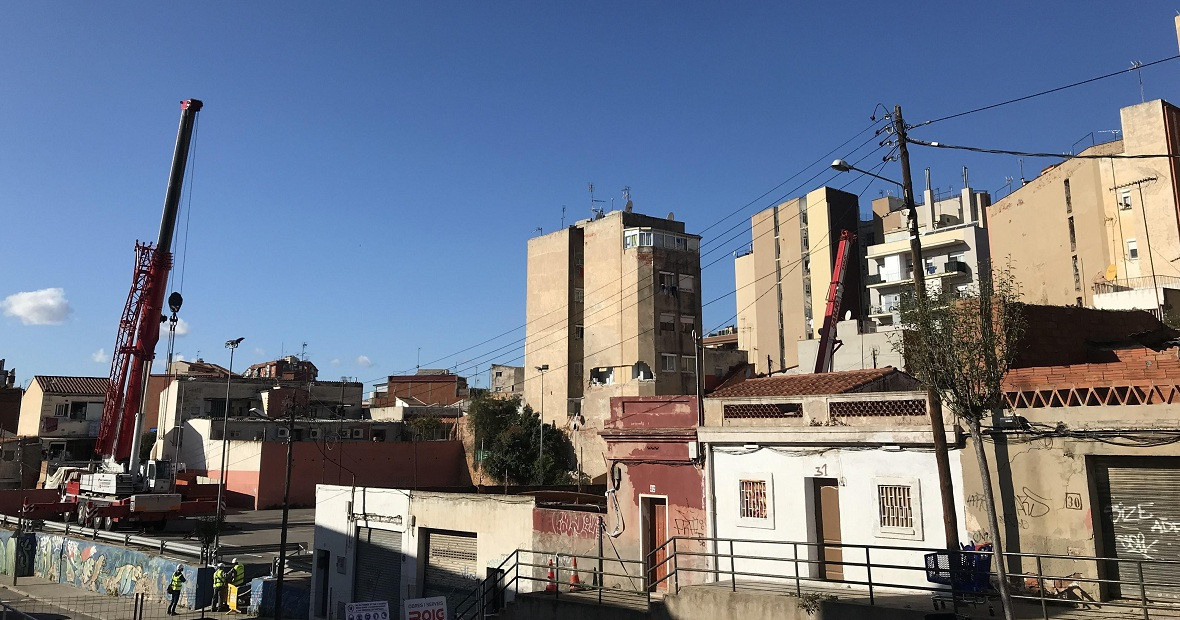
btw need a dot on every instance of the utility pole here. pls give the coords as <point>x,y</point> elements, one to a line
<point>937,425</point>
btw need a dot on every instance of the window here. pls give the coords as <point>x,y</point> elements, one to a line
<point>642,372</point>
<point>899,513</point>
<point>62,410</point>
<point>752,503</point>
<point>579,295</point>
<point>1132,249</point>
<point>1073,240</point>
<point>667,281</point>
<point>499,373</point>
<point>685,282</point>
<point>681,243</point>
<point>667,362</point>
<point>688,324</point>
<point>77,411</point>
<point>602,376</point>
<point>1068,200</point>
<point>667,322</point>
<point>575,368</point>
<point>1077,275</point>
<point>579,331</point>
<point>630,240</point>
<point>645,238</point>
<point>1124,199</point>
<point>498,389</point>
<point>688,363</point>
<point>894,505</point>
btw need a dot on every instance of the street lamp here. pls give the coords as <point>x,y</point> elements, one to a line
<point>937,425</point>
<point>232,345</point>
<point>541,432</point>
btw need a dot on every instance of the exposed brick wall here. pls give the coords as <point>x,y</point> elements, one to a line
<point>1067,335</point>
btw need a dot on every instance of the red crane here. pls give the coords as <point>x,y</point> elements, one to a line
<point>827,338</point>
<point>121,427</point>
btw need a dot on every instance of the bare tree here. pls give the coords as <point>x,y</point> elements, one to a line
<point>962,343</point>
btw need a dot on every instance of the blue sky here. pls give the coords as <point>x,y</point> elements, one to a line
<point>366,175</point>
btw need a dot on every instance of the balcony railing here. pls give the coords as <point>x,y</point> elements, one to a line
<point>954,266</point>
<point>1132,284</point>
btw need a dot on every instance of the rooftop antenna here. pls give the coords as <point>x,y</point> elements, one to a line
<point>595,212</point>
<point>1138,67</point>
<point>563,216</point>
<point>303,353</point>
<point>1022,181</point>
<point>629,206</point>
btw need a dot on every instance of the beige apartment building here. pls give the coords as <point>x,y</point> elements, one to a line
<point>1103,229</point>
<point>782,282</point>
<point>612,304</point>
<point>952,230</point>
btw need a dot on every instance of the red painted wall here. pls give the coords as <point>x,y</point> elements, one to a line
<point>627,412</point>
<point>376,464</point>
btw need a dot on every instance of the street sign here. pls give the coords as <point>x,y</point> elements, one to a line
<point>368,610</point>
<point>425,609</point>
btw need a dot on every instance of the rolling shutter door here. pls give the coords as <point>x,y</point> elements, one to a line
<point>450,566</point>
<point>1140,502</point>
<point>378,574</point>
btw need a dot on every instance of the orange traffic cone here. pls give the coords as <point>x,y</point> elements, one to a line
<point>550,581</point>
<point>575,582</point>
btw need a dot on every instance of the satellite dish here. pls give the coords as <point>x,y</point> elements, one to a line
<point>847,315</point>
<point>1112,272</point>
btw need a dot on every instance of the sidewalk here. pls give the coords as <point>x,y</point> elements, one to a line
<point>37,596</point>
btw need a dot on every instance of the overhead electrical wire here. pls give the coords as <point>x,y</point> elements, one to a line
<point>976,149</point>
<point>1135,67</point>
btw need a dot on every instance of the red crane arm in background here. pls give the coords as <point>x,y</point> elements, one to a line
<point>139,327</point>
<point>827,339</point>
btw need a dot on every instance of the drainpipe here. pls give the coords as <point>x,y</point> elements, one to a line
<point>710,505</point>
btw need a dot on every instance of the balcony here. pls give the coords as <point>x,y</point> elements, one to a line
<point>953,267</point>
<point>883,310</point>
<point>876,280</point>
<point>1134,284</point>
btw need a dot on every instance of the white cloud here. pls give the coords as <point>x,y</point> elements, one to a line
<point>334,362</point>
<point>47,306</point>
<point>100,356</point>
<point>363,361</point>
<point>181,327</point>
<point>179,357</point>
<point>259,351</point>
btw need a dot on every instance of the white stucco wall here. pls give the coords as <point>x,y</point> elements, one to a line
<point>790,474</point>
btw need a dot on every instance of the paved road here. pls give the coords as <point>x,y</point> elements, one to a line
<point>254,527</point>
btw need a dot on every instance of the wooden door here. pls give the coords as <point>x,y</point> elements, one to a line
<point>657,535</point>
<point>827,528</point>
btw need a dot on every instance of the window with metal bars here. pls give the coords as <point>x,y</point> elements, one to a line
<point>753,499</point>
<point>895,507</point>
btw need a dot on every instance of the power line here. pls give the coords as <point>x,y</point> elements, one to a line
<point>1046,92</point>
<point>976,149</point>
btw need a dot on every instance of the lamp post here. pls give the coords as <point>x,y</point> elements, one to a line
<point>937,425</point>
<point>232,345</point>
<point>541,432</point>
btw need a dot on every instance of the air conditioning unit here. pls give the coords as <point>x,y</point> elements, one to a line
<point>313,433</point>
<point>283,432</point>
<point>358,433</point>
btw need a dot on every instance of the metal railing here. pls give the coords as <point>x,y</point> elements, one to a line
<point>527,571</point>
<point>807,567</point>
<point>1133,284</point>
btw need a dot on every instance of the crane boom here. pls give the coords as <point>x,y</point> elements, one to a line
<point>121,426</point>
<point>827,339</point>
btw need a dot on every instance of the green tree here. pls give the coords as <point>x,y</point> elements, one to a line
<point>963,344</point>
<point>509,436</point>
<point>426,428</point>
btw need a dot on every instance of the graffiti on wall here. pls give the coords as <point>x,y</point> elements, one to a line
<point>107,569</point>
<point>1137,529</point>
<point>687,525</point>
<point>566,523</point>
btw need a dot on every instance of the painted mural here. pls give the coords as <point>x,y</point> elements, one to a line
<point>112,570</point>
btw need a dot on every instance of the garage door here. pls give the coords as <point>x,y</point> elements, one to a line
<point>450,566</point>
<point>378,575</point>
<point>1140,517</point>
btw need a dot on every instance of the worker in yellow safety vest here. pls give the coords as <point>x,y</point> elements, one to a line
<point>174,587</point>
<point>239,574</point>
<point>219,588</point>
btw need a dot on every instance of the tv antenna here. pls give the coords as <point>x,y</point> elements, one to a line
<point>628,206</point>
<point>595,212</point>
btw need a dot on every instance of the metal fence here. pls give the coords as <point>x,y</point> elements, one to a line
<point>587,578</point>
<point>896,576</point>
<point>16,606</point>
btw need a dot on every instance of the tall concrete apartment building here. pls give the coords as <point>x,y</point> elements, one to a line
<point>1101,231</point>
<point>612,303</point>
<point>782,283</point>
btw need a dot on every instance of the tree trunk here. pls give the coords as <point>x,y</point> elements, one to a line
<point>992,517</point>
